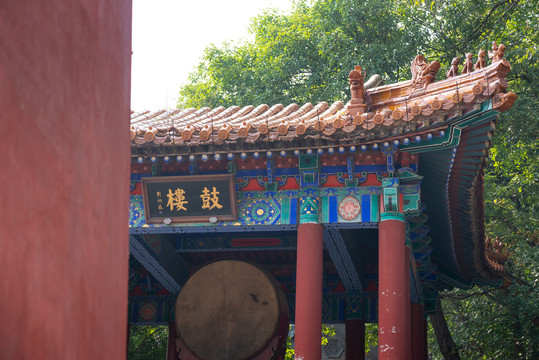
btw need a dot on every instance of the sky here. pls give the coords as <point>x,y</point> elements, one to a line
<point>169,37</point>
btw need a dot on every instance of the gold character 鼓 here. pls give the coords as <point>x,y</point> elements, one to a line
<point>210,200</point>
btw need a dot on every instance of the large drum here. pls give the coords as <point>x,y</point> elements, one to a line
<point>231,310</point>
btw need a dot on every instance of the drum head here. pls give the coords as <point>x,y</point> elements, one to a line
<point>228,310</point>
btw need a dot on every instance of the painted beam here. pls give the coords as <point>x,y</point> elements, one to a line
<point>215,229</point>
<point>151,263</point>
<point>340,256</point>
<point>236,242</point>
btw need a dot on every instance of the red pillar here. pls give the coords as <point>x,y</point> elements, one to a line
<point>355,339</point>
<point>172,354</point>
<point>309,292</point>
<point>64,184</point>
<point>394,285</point>
<point>418,332</point>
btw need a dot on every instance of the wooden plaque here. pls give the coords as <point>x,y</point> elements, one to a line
<point>184,199</point>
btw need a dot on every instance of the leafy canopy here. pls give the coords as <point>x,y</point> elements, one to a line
<point>305,56</point>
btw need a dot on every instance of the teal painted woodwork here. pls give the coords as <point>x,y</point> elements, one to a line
<point>392,215</point>
<point>375,208</point>
<point>452,136</point>
<point>309,209</point>
<point>417,237</point>
<point>411,202</point>
<point>391,194</point>
<point>309,170</point>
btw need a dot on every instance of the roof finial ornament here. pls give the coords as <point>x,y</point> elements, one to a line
<point>454,69</point>
<point>497,54</point>
<point>374,81</point>
<point>468,64</point>
<point>357,91</point>
<point>481,63</point>
<point>494,49</point>
<point>423,73</point>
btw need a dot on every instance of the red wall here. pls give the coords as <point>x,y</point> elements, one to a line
<point>64,167</point>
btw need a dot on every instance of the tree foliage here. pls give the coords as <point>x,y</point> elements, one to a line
<point>305,56</point>
<point>499,323</point>
<point>371,337</point>
<point>327,332</point>
<point>147,342</point>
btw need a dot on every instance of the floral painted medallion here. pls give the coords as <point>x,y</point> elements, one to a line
<point>148,312</point>
<point>349,208</point>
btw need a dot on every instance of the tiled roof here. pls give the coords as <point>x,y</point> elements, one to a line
<point>391,111</point>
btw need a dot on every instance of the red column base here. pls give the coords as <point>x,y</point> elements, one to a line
<point>355,339</point>
<point>419,348</point>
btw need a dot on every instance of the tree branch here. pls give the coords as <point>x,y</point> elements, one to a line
<point>462,297</point>
<point>447,346</point>
<point>491,12</point>
<point>518,280</point>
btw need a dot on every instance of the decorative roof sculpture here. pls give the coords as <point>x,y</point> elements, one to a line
<point>357,92</point>
<point>454,69</point>
<point>423,73</point>
<point>384,112</point>
<point>497,52</point>
<point>468,64</point>
<point>481,63</point>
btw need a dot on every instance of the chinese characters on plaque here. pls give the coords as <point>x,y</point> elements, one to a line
<point>189,198</point>
<point>177,200</point>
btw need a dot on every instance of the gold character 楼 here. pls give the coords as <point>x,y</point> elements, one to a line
<point>176,199</point>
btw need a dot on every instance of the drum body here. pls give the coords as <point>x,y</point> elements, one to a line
<point>231,310</point>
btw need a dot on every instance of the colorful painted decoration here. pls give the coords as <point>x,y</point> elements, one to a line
<point>308,209</point>
<point>349,208</point>
<point>261,212</point>
<point>147,312</point>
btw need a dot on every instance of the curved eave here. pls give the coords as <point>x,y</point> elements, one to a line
<point>453,187</point>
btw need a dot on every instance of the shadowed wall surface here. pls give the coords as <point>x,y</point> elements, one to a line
<point>64,100</point>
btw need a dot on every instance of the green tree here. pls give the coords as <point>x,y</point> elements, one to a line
<point>327,333</point>
<point>147,342</point>
<point>503,323</point>
<point>498,323</point>
<point>305,56</point>
<point>371,337</point>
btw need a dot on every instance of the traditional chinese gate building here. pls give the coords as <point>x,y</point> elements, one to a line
<point>363,211</point>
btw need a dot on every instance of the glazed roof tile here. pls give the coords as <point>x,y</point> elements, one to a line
<point>391,111</point>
